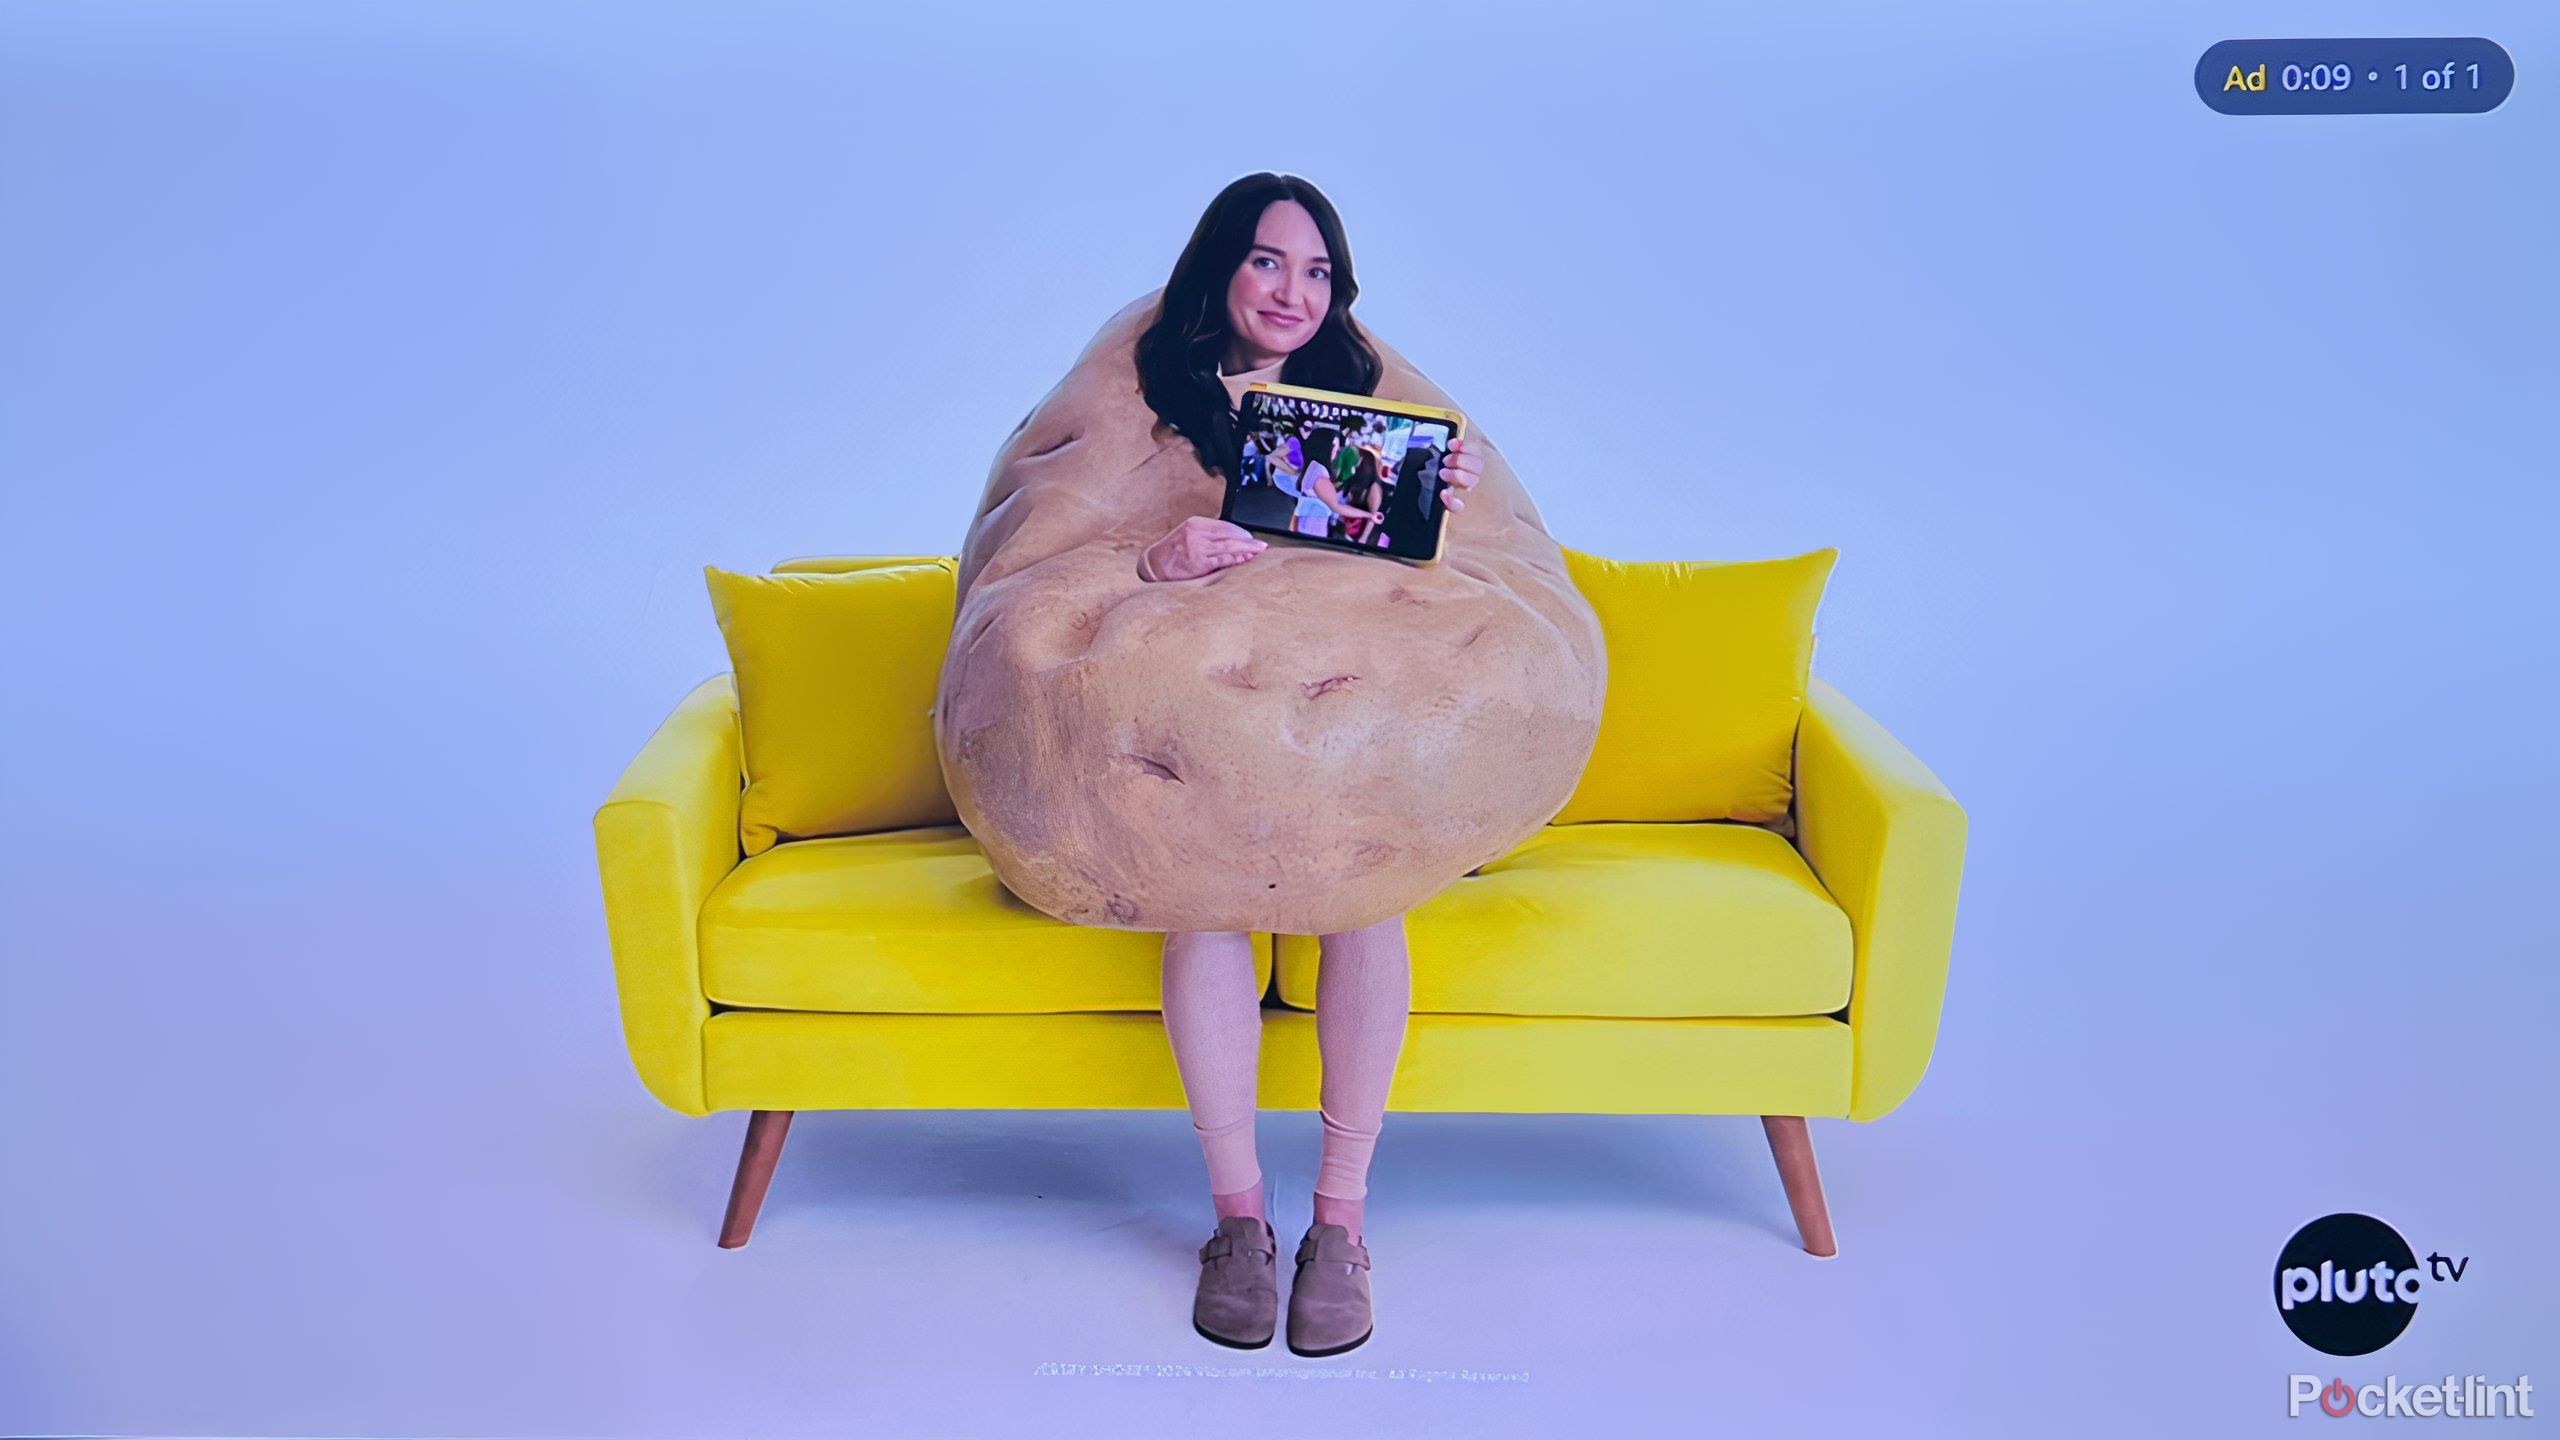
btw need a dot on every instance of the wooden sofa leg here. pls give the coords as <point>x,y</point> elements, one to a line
<point>1794,1149</point>
<point>765,1129</point>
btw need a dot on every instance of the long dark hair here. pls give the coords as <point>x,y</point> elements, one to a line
<point>1317,444</point>
<point>1178,356</point>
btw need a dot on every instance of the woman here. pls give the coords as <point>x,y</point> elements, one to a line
<point>1372,494</point>
<point>1366,492</point>
<point>1319,494</point>
<point>1286,461</point>
<point>1263,291</point>
<point>1408,505</point>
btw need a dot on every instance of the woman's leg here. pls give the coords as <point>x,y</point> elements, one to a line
<point>1364,992</point>
<point>1213,1017</point>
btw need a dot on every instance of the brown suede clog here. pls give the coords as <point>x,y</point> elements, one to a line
<point>1329,1298</point>
<point>1238,1302</point>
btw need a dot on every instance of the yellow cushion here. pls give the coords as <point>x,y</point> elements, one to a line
<point>913,921</point>
<point>836,675</point>
<point>1707,670</point>
<point>1705,919</point>
<point>838,564</point>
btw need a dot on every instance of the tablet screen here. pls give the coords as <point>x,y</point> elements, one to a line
<point>1337,472</point>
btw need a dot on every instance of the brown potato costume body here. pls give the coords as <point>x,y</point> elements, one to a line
<point>1305,742</point>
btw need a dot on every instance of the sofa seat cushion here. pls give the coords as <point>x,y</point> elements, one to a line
<point>1702,919</point>
<point>913,921</point>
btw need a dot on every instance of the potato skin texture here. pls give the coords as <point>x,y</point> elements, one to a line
<point>1304,743</point>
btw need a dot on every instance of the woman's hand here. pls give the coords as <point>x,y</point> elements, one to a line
<point>1196,547</point>
<point>1460,469</point>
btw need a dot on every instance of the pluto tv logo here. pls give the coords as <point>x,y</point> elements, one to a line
<point>2348,1284</point>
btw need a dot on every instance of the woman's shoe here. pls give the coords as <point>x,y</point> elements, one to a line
<point>1329,1298</point>
<point>1238,1302</point>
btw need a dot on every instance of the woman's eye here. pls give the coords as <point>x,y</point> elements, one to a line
<point>1319,273</point>
<point>1264,260</point>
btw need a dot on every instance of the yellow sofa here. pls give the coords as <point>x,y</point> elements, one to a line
<point>1704,968</point>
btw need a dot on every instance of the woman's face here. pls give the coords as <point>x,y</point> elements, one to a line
<point>1281,292</point>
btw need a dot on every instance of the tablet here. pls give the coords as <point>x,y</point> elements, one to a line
<point>1350,472</point>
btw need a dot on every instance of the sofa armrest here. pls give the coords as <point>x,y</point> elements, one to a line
<point>1887,841</point>
<point>666,835</point>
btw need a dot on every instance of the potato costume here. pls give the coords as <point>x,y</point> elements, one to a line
<point>1305,742</point>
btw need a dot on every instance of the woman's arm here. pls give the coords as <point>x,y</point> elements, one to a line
<point>1334,502</point>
